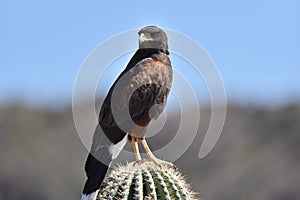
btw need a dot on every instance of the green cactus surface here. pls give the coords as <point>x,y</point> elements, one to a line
<point>144,181</point>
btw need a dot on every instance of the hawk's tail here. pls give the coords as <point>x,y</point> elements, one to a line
<point>95,171</point>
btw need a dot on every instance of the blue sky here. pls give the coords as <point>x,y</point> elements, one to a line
<point>255,44</point>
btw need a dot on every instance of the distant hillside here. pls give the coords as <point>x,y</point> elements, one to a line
<point>257,156</point>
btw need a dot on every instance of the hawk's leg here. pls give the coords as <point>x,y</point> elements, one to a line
<point>136,148</point>
<point>153,158</point>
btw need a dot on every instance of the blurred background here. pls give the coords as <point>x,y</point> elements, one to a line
<point>254,44</point>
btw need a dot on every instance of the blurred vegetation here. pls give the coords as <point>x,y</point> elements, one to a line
<point>256,157</point>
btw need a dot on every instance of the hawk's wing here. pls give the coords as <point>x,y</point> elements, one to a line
<point>136,91</point>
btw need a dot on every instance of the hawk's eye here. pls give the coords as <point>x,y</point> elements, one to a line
<point>154,35</point>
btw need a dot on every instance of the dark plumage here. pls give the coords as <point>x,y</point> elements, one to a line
<point>145,82</point>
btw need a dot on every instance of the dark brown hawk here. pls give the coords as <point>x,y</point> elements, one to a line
<point>137,96</point>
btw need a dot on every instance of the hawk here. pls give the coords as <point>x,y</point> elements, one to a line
<point>137,96</point>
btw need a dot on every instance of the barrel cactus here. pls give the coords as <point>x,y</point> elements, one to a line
<point>144,181</point>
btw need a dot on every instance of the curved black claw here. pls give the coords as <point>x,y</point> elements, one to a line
<point>174,167</point>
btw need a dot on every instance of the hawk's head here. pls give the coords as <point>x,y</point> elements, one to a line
<point>153,37</point>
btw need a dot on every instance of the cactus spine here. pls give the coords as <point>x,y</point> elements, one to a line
<point>144,181</point>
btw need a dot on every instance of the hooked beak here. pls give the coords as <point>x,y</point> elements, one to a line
<point>144,38</point>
